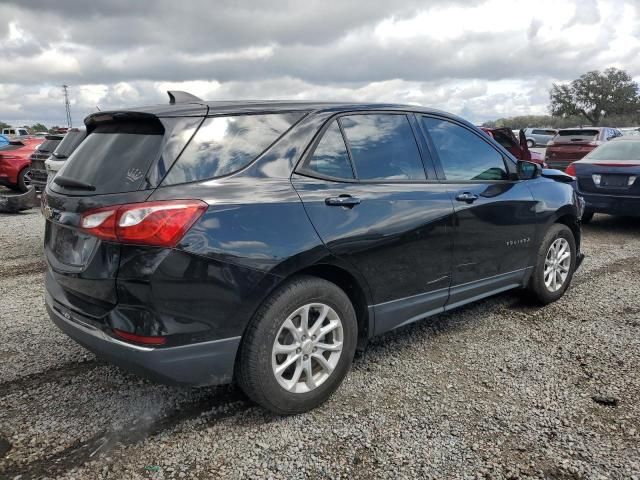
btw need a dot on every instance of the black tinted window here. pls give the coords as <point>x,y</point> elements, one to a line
<point>464,155</point>
<point>69,143</point>
<point>383,147</point>
<point>114,158</point>
<point>223,145</point>
<point>49,144</point>
<point>330,157</point>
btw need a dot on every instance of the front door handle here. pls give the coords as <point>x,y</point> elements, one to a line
<point>342,201</point>
<point>467,197</point>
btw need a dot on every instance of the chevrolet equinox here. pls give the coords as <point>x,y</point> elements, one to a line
<point>202,243</point>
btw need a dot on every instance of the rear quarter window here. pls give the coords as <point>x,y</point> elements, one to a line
<point>226,144</point>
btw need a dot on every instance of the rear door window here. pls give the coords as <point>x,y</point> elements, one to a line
<point>115,157</point>
<point>464,156</point>
<point>226,144</point>
<point>383,147</point>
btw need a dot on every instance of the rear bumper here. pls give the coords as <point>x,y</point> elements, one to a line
<point>612,205</point>
<point>205,363</point>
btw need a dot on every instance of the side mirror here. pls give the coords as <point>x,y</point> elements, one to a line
<point>528,170</point>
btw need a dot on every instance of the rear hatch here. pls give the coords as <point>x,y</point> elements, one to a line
<point>570,145</point>
<point>612,169</point>
<point>40,154</point>
<point>122,160</point>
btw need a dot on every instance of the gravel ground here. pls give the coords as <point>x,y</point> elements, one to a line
<point>499,389</point>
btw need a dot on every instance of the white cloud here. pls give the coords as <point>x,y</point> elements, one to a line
<point>478,58</point>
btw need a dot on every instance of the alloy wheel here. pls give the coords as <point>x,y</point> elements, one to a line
<point>307,348</point>
<point>557,264</point>
<point>26,178</point>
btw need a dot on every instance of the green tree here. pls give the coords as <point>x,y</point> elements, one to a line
<point>4,125</point>
<point>596,95</point>
<point>38,127</point>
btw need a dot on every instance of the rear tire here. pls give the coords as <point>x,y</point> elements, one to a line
<point>587,216</point>
<point>24,179</point>
<point>531,143</point>
<point>298,380</point>
<point>553,270</point>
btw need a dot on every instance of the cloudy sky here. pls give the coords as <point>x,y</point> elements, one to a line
<point>481,59</point>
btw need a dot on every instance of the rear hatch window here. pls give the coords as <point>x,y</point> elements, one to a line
<point>114,158</point>
<point>226,144</point>
<point>49,144</point>
<point>619,150</point>
<point>68,144</point>
<point>12,145</point>
<point>578,135</point>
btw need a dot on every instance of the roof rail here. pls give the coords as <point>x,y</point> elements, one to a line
<point>178,96</point>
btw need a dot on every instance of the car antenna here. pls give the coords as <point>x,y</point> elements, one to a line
<point>178,96</point>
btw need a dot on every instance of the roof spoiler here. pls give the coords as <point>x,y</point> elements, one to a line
<point>178,96</point>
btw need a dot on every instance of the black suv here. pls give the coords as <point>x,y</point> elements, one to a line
<point>264,242</point>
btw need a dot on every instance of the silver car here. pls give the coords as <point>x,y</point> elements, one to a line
<point>539,136</point>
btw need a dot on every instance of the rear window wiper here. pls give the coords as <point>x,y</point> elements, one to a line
<point>71,183</point>
<point>59,157</point>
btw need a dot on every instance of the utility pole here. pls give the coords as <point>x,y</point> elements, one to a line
<point>67,106</point>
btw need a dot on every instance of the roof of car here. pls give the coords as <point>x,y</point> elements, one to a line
<point>250,106</point>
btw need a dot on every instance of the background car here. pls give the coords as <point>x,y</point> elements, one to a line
<point>65,148</point>
<point>39,156</point>
<point>608,178</point>
<point>517,147</point>
<point>15,163</point>
<point>571,144</point>
<point>539,136</point>
<point>201,242</point>
<point>13,132</point>
<point>3,141</point>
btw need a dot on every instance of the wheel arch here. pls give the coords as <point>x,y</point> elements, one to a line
<point>569,218</point>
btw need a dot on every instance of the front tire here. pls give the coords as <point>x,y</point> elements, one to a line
<point>555,264</point>
<point>531,143</point>
<point>298,347</point>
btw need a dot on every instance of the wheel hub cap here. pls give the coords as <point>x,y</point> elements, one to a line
<point>307,348</point>
<point>557,264</point>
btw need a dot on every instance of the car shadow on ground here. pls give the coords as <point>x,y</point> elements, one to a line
<point>613,224</point>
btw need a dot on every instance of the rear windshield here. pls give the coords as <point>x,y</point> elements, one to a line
<point>579,134</point>
<point>226,144</point>
<point>620,150</point>
<point>114,158</point>
<point>11,146</point>
<point>49,145</point>
<point>68,144</point>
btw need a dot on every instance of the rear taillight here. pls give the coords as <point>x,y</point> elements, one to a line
<point>571,170</point>
<point>142,339</point>
<point>160,224</point>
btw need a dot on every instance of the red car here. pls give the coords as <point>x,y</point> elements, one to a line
<point>15,163</point>
<point>518,148</point>
<point>571,144</point>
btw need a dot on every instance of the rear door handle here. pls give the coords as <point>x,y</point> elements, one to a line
<point>342,201</point>
<point>467,197</point>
